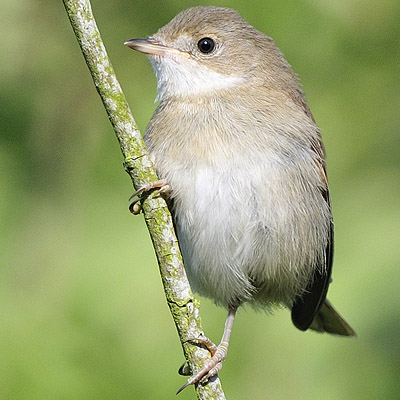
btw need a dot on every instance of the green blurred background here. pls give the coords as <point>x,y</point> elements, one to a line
<point>82,312</point>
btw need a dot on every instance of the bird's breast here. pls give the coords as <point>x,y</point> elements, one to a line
<point>250,218</point>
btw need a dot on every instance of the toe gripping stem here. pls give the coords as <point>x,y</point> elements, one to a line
<point>213,365</point>
<point>161,185</point>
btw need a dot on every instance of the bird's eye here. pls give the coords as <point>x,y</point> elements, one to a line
<point>206,45</point>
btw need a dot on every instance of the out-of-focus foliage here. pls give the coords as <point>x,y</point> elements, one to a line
<point>82,313</point>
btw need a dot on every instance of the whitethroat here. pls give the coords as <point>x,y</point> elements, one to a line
<point>235,143</point>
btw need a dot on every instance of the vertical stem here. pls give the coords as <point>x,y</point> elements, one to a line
<point>184,308</point>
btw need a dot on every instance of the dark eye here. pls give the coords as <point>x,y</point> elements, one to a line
<point>206,45</point>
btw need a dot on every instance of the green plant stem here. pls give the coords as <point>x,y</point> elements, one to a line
<point>184,307</point>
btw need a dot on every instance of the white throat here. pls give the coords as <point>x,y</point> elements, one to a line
<point>186,77</point>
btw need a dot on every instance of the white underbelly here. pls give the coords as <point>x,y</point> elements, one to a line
<point>247,235</point>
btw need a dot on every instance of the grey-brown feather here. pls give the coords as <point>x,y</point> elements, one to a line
<point>250,216</point>
<point>244,158</point>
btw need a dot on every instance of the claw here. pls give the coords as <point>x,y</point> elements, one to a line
<point>211,368</point>
<point>213,365</point>
<point>182,387</point>
<point>135,207</point>
<point>184,369</point>
<point>206,342</point>
<point>161,185</point>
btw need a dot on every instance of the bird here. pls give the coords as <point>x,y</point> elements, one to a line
<point>241,157</point>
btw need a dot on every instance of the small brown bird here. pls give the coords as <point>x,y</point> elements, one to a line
<point>235,141</point>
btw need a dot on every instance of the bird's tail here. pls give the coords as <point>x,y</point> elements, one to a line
<point>328,320</point>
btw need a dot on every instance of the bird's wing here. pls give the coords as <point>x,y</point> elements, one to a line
<point>307,306</point>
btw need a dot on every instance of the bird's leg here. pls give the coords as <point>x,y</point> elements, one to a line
<point>161,185</point>
<point>218,353</point>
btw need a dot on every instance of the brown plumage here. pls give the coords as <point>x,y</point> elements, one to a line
<point>235,140</point>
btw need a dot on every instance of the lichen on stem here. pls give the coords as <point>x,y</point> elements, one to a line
<point>183,306</point>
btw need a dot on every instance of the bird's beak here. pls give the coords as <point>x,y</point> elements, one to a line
<point>152,47</point>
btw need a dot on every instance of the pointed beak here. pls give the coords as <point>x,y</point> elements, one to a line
<point>153,47</point>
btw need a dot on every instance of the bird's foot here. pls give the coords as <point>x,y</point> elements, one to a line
<point>211,366</point>
<point>161,185</point>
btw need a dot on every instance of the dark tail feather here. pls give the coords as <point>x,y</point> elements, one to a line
<point>328,320</point>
